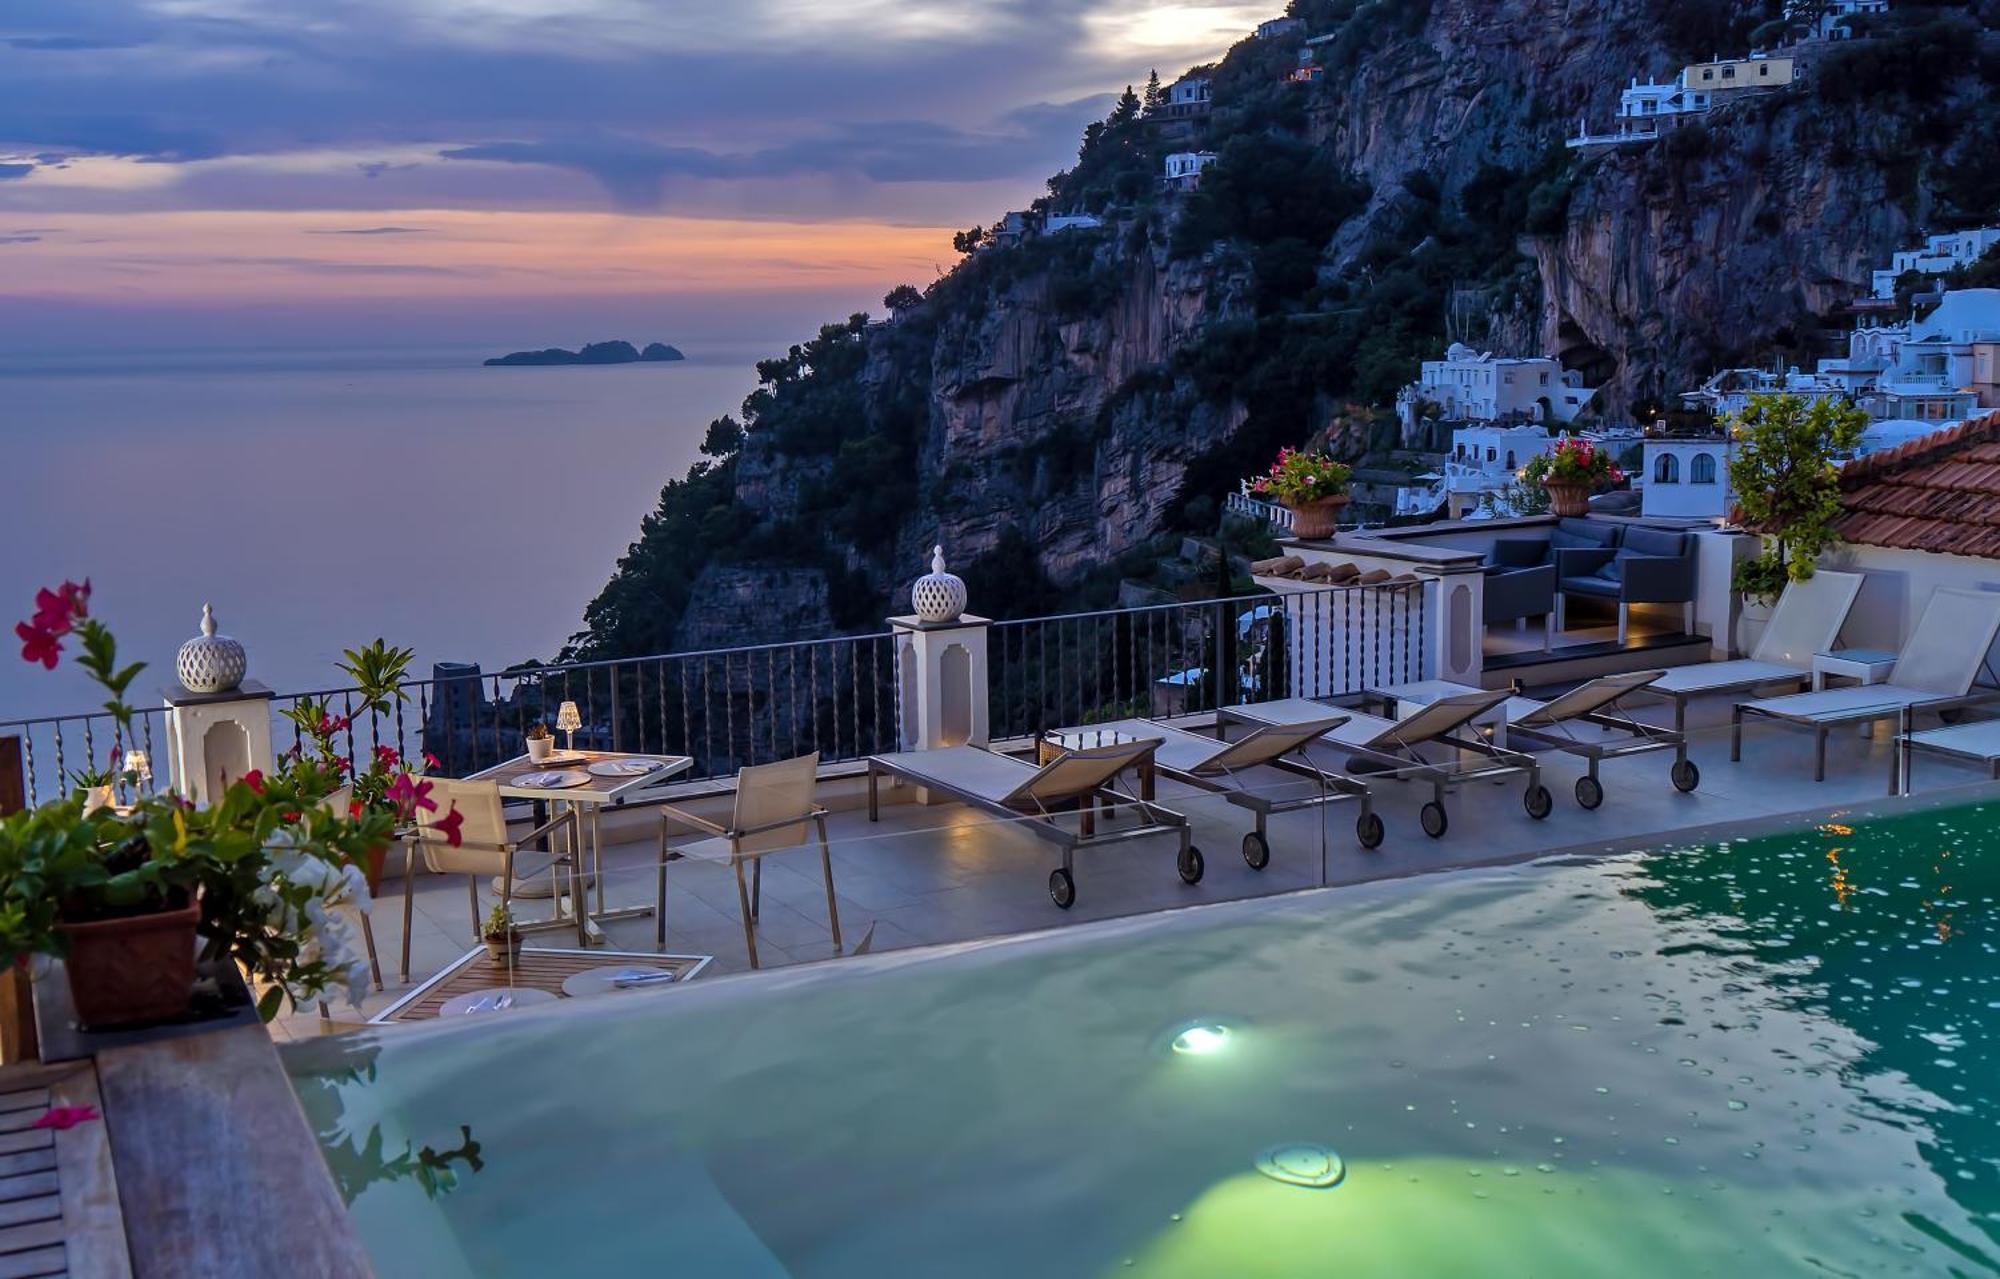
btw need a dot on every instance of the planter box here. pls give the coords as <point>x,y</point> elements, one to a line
<point>221,1001</point>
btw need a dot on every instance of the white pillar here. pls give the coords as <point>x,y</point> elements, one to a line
<point>1455,616</point>
<point>1716,602</point>
<point>941,695</point>
<point>213,739</point>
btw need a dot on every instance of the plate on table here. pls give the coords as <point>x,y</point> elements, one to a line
<point>625,767</point>
<point>559,779</point>
<point>563,759</point>
<point>497,1000</point>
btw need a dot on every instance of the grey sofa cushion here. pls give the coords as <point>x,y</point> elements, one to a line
<point>1590,585</point>
<point>1591,532</point>
<point>1564,540</point>
<point>1653,541</point>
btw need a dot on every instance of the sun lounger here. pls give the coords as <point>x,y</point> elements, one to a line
<point>1806,621</point>
<point>1073,782</point>
<point>1588,721</point>
<point>1935,672</point>
<point>1396,746</point>
<point>1202,761</point>
<point>1979,742</point>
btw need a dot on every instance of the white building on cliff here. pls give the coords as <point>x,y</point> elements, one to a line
<point>1478,386</point>
<point>1935,256</point>
<point>1645,111</point>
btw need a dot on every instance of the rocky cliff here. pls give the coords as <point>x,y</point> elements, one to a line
<point>1057,406</point>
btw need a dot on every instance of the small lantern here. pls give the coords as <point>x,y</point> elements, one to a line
<point>938,596</point>
<point>569,721</point>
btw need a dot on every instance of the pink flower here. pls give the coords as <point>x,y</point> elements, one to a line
<point>450,824</point>
<point>63,1118</point>
<point>57,611</point>
<point>387,756</point>
<point>38,645</point>
<point>408,795</point>
<point>254,779</point>
<point>431,761</point>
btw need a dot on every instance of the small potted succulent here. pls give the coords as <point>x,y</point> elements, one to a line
<point>502,937</point>
<point>541,742</point>
<point>1570,473</point>
<point>1311,485</point>
<point>97,785</point>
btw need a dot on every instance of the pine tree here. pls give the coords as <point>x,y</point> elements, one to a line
<point>1127,109</point>
<point>1154,94</point>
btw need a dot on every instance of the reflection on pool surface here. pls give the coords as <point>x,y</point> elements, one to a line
<point>1770,1056</point>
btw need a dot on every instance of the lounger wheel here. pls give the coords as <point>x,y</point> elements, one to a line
<point>1368,829</point>
<point>1686,776</point>
<point>1062,888</point>
<point>1540,803</point>
<point>1589,792</point>
<point>1433,817</point>
<point>1256,850</point>
<point>1190,865</point>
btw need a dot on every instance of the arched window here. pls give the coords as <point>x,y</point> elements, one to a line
<point>1667,470</point>
<point>1489,452</point>
<point>1701,469</point>
<point>1510,459</point>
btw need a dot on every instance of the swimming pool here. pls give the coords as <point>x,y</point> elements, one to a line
<point>1767,1055</point>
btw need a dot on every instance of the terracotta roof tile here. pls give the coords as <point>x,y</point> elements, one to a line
<point>1940,492</point>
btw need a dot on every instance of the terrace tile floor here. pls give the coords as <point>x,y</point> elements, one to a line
<point>938,874</point>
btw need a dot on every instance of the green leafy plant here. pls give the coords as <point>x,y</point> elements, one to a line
<point>273,869</point>
<point>500,924</point>
<point>1297,478</point>
<point>1786,483</point>
<point>536,732</point>
<point>1573,461</point>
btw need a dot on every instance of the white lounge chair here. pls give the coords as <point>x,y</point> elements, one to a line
<point>774,812</point>
<point>1073,782</point>
<point>1396,745</point>
<point>1588,721</point>
<point>1201,761</point>
<point>1934,672</point>
<point>1807,620</point>
<point>1978,742</point>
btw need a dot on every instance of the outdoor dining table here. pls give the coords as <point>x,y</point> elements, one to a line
<point>587,799</point>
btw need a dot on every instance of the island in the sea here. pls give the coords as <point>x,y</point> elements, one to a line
<point>594,353</point>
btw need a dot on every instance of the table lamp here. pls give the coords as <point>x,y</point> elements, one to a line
<point>569,721</point>
<point>141,768</point>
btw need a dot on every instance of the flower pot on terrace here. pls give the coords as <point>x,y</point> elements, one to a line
<point>1316,518</point>
<point>1567,498</point>
<point>96,797</point>
<point>1751,619</point>
<point>136,969</point>
<point>504,951</point>
<point>540,748</point>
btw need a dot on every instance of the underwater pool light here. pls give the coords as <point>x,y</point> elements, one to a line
<point>1201,1040</point>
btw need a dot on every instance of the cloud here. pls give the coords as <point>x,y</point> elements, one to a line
<point>369,230</point>
<point>62,44</point>
<point>633,170</point>
<point>15,171</point>
<point>20,239</point>
<point>320,266</point>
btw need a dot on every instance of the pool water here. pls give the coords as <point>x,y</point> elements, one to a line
<point>1770,1055</point>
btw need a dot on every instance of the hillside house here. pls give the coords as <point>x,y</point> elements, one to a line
<point>1070,222</point>
<point>1183,169</point>
<point>1272,28</point>
<point>1937,255</point>
<point>1477,386</point>
<point>1645,110</point>
<point>1833,24</point>
<point>1685,477</point>
<point>1187,96</point>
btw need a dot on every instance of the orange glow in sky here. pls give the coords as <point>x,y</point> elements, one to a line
<point>217,256</point>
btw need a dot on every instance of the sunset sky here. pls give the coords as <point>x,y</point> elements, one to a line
<point>345,164</point>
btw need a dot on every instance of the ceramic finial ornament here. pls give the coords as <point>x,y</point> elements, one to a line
<point>210,662</point>
<point>938,596</point>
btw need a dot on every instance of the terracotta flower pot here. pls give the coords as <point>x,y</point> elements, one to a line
<point>1316,518</point>
<point>1568,497</point>
<point>136,969</point>
<point>504,951</point>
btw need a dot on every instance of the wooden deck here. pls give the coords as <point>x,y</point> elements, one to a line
<point>59,1208</point>
<point>538,969</point>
